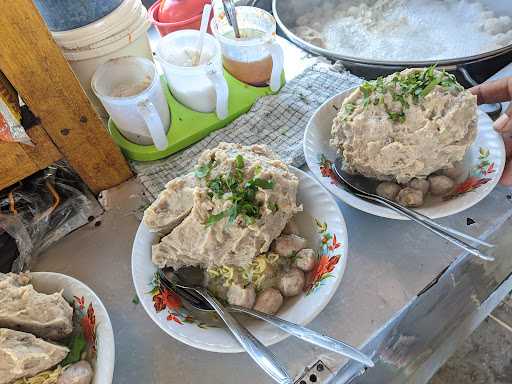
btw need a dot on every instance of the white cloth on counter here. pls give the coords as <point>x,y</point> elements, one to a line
<point>278,121</point>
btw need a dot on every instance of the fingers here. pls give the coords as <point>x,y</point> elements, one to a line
<point>506,178</point>
<point>508,144</point>
<point>504,123</point>
<point>493,91</point>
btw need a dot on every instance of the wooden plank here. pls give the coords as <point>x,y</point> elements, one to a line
<point>35,66</point>
<point>44,152</point>
<point>19,161</point>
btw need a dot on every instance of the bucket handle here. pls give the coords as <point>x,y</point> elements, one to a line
<point>221,90</point>
<point>154,123</point>
<point>276,51</point>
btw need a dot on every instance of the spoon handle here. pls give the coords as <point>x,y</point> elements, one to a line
<point>444,235</point>
<point>258,352</point>
<point>308,335</point>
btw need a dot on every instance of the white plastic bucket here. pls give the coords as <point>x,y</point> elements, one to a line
<point>123,32</point>
<point>130,89</point>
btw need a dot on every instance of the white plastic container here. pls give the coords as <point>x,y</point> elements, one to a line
<point>201,87</point>
<point>131,92</point>
<point>123,32</point>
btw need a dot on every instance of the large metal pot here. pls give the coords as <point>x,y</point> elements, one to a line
<point>480,66</point>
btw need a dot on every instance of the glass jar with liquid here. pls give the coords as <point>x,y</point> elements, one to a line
<point>255,57</point>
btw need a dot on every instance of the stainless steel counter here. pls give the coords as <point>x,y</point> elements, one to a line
<point>389,264</point>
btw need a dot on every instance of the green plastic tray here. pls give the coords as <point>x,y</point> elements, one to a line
<point>188,126</point>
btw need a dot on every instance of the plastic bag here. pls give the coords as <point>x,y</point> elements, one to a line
<point>41,210</point>
<point>11,129</point>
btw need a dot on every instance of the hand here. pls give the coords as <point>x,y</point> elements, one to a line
<point>495,92</point>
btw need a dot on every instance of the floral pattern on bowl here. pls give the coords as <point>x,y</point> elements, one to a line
<point>478,175</point>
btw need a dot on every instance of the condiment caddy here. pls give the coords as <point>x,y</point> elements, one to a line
<point>208,82</point>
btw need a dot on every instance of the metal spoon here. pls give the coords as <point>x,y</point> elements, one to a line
<point>366,188</point>
<point>296,330</point>
<point>191,279</point>
<point>229,8</point>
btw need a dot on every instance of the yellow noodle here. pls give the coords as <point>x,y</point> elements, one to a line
<point>46,377</point>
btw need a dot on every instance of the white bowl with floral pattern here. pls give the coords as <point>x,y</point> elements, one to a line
<point>483,165</point>
<point>321,223</point>
<point>94,320</point>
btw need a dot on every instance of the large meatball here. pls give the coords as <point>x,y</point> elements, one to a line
<point>287,245</point>
<point>292,282</point>
<point>440,185</point>
<point>78,373</point>
<point>243,297</point>
<point>427,128</point>
<point>305,260</point>
<point>410,197</point>
<point>388,190</point>
<point>269,301</point>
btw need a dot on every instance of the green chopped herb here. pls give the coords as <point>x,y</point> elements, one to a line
<point>405,89</point>
<point>204,170</point>
<point>239,161</point>
<point>76,346</point>
<point>214,218</point>
<point>397,116</point>
<point>261,183</point>
<point>257,170</point>
<point>273,207</point>
<point>135,300</point>
<point>242,194</point>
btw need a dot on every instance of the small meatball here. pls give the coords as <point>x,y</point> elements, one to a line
<point>440,185</point>
<point>454,172</point>
<point>287,245</point>
<point>420,184</point>
<point>292,282</point>
<point>269,301</point>
<point>243,297</point>
<point>388,190</point>
<point>410,197</point>
<point>78,373</point>
<point>291,228</point>
<point>305,260</point>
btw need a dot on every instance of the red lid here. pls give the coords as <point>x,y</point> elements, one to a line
<point>172,11</point>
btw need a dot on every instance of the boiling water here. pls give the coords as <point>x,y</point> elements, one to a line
<point>408,30</point>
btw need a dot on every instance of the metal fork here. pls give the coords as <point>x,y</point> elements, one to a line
<point>364,188</point>
<point>299,331</point>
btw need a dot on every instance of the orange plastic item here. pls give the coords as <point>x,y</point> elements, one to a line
<point>173,15</point>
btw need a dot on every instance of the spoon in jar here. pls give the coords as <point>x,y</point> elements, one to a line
<point>299,331</point>
<point>191,278</point>
<point>205,18</point>
<point>366,188</point>
<point>229,9</point>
